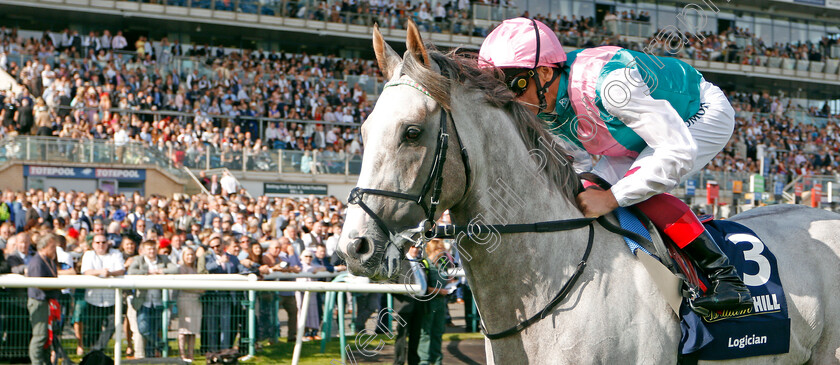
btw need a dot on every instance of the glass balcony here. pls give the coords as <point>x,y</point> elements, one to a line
<point>105,152</point>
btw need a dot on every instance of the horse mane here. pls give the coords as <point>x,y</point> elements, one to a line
<point>463,68</point>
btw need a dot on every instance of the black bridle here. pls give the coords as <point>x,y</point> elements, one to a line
<point>428,230</point>
<point>434,182</point>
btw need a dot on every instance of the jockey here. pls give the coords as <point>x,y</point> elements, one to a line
<point>652,120</point>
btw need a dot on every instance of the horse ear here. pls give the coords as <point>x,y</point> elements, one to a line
<point>386,57</point>
<point>415,44</point>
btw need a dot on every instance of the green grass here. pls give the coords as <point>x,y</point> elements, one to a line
<point>281,352</point>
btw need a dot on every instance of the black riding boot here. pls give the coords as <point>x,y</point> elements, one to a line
<point>726,291</point>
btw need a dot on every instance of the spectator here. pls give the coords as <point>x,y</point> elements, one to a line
<point>136,345</point>
<point>189,308</point>
<point>290,263</point>
<point>291,234</point>
<point>118,43</point>
<point>215,186</point>
<point>17,256</point>
<point>611,23</point>
<point>17,259</point>
<point>25,116</point>
<point>176,245</point>
<point>103,261</point>
<point>120,141</point>
<point>228,183</point>
<point>42,265</point>
<point>148,303</point>
<point>312,322</point>
<point>434,319</point>
<point>253,259</point>
<point>218,312</point>
<point>65,266</point>
<point>322,259</point>
<point>332,241</point>
<point>366,303</point>
<point>411,311</point>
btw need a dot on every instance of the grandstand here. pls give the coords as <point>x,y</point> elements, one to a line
<point>165,98</point>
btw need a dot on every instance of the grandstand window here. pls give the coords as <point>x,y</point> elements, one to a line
<point>583,8</point>
<point>706,22</point>
<point>561,8</point>
<point>833,32</point>
<point>623,7</point>
<point>540,8</point>
<point>667,16</point>
<point>781,32</point>
<point>816,32</point>
<point>651,9</point>
<point>744,21</point>
<point>798,31</point>
<point>763,29</point>
<point>834,105</point>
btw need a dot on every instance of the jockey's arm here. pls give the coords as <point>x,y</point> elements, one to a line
<point>662,129</point>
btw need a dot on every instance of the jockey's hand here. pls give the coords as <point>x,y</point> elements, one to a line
<point>595,202</point>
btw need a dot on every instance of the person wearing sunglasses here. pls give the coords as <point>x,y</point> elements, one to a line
<point>653,120</point>
<point>102,261</point>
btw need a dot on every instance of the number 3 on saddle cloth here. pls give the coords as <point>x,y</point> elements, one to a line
<point>763,329</point>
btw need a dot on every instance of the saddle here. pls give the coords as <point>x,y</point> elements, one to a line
<point>761,330</point>
<point>671,269</point>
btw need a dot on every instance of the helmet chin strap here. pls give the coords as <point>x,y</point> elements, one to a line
<point>541,88</point>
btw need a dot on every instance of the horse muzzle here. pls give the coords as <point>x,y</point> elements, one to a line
<point>370,257</point>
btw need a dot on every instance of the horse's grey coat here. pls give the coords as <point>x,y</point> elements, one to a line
<point>615,314</point>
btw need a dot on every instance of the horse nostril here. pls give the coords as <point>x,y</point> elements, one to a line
<point>359,246</point>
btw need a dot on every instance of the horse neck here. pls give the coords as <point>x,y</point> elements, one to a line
<point>507,189</point>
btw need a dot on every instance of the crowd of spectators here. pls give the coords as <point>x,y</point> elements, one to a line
<point>110,235</point>
<point>106,235</point>
<point>107,95</point>
<point>100,86</point>
<point>793,148</point>
<point>735,45</point>
<point>450,16</point>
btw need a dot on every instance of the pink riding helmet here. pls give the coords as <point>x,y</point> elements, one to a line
<point>514,44</point>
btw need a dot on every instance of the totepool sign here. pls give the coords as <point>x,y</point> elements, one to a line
<point>84,173</point>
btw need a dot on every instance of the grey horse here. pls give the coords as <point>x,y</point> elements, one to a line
<point>520,174</point>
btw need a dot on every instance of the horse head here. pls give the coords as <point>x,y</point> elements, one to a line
<point>405,147</point>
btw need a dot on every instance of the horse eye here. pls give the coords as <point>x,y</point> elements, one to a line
<point>412,133</point>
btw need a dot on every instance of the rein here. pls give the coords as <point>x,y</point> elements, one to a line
<point>428,230</point>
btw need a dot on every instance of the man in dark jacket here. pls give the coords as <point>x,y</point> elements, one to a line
<point>218,305</point>
<point>42,265</point>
